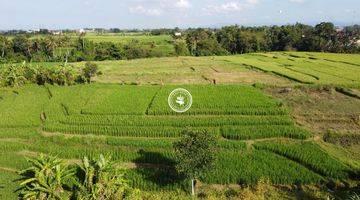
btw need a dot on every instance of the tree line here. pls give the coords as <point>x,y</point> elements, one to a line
<point>324,37</point>
<point>64,49</point>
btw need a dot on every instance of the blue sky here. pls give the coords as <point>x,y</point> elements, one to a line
<point>57,14</point>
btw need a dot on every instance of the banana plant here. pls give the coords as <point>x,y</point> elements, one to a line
<point>45,179</point>
<point>101,180</point>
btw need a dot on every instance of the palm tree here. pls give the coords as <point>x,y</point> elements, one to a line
<point>45,179</point>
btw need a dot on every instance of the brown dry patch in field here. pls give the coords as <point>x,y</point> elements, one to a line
<point>320,109</point>
<point>56,134</point>
<point>50,134</point>
<point>28,153</point>
<point>223,187</point>
<point>69,136</point>
<point>13,140</point>
<point>248,77</point>
<point>7,169</point>
<point>73,161</point>
<point>131,165</point>
<point>356,91</point>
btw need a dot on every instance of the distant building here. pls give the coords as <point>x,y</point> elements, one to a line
<point>33,31</point>
<point>339,29</point>
<point>56,32</point>
<point>81,31</point>
<point>358,42</point>
<point>90,30</point>
<point>178,34</point>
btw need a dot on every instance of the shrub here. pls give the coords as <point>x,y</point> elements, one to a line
<point>345,139</point>
<point>181,48</point>
<point>89,71</point>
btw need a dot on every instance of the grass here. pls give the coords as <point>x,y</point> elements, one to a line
<point>321,108</point>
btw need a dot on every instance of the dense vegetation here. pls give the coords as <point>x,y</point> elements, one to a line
<point>94,179</point>
<point>20,74</point>
<point>323,37</point>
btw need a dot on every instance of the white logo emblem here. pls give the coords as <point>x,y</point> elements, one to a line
<point>180,100</point>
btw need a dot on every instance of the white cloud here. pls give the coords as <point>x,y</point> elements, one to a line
<point>253,2</point>
<point>145,11</point>
<point>223,8</point>
<point>228,7</point>
<point>158,7</point>
<point>182,4</point>
<point>232,6</point>
<point>297,1</point>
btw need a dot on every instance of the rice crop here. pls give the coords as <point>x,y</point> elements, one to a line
<point>308,154</point>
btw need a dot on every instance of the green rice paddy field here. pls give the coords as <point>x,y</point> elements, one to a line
<point>160,45</point>
<point>125,114</point>
<point>277,68</point>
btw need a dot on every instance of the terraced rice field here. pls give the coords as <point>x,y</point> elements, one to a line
<point>258,136</point>
<point>308,68</point>
<point>135,125</point>
<point>275,68</point>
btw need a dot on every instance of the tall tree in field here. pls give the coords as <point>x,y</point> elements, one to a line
<point>326,34</point>
<point>5,46</point>
<point>196,153</point>
<point>22,44</point>
<point>90,70</point>
<point>181,48</point>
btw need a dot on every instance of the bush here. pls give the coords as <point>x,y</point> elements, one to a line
<point>135,50</point>
<point>16,75</point>
<point>209,47</point>
<point>181,48</point>
<point>346,139</point>
<point>89,71</point>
